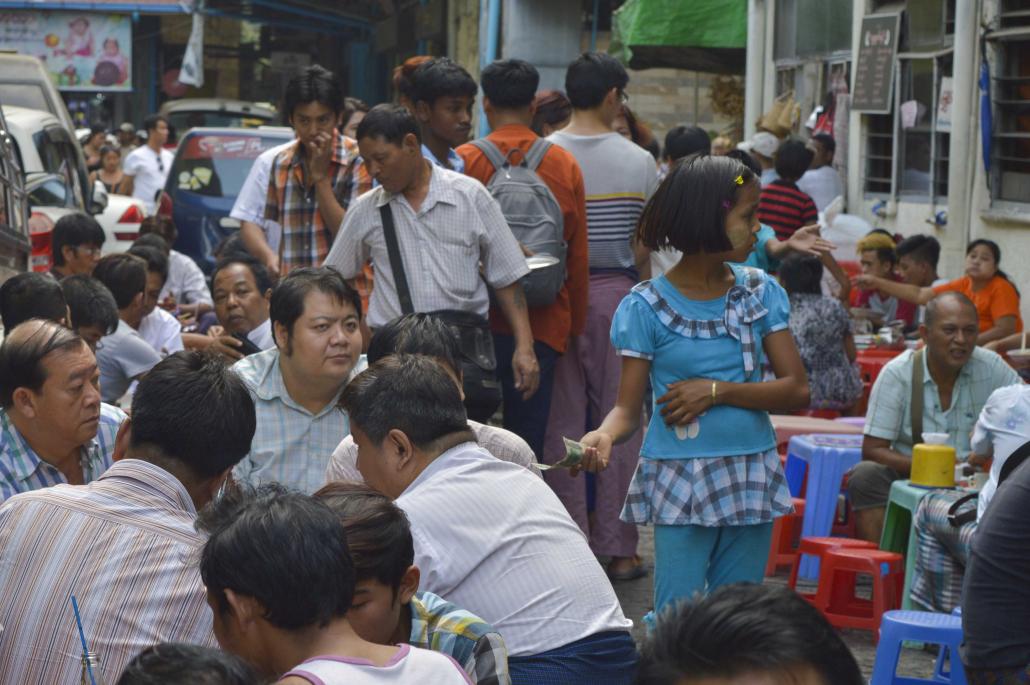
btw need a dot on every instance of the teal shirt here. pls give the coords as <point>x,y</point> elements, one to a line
<point>759,257</point>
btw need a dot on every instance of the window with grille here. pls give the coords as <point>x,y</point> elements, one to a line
<point>1010,94</point>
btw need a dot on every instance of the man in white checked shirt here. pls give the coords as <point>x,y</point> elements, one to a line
<point>453,238</point>
<point>125,544</point>
<point>296,386</point>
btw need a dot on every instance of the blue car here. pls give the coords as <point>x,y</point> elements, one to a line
<point>210,167</point>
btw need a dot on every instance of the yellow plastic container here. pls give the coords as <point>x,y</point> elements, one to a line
<point>933,466</point>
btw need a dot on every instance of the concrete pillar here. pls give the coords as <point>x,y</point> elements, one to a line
<point>856,134</point>
<point>963,147</point>
<point>754,77</point>
<point>545,33</point>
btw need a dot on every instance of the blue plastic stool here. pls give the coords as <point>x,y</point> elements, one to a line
<point>938,671</point>
<point>918,626</point>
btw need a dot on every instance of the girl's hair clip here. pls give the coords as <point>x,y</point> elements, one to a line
<point>726,204</point>
<point>739,180</point>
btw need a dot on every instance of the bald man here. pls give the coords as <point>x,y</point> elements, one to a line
<point>53,426</point>
<point>957,378</point>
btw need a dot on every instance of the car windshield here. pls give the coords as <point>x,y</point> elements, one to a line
<point>184,121</point>
<point>217,165</point>
<point>28,95</point>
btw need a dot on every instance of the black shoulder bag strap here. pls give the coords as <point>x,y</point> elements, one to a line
<point>916,405</point>
<point>1011,464</point>
<point>400,278</point>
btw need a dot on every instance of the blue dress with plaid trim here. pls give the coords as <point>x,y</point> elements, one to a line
<point>722,469</point>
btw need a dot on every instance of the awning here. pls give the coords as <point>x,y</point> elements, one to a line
<point>117,6</point>
<point>700,35</point>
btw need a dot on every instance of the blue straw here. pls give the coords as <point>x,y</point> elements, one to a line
<point>82,637</point>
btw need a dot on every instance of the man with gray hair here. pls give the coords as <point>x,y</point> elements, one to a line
<point>956,378</point>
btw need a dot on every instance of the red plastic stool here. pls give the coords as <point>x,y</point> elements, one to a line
<point>836,596</point>
<point>785,533</point>
<point>819,547</point>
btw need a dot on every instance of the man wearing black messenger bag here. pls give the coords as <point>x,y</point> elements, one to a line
<point>437,240</point>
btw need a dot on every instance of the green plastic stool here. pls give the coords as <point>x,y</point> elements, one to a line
<point>898,533</point>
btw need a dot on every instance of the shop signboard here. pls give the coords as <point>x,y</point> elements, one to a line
<point>874,69</point>
<point>82,51</point>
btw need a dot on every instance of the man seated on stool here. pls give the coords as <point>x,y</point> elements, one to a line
<point>958,377</point>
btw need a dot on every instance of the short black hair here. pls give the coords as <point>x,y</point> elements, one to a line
<point>792,160</point>
<point>745,159</point>
<point>589,78</point>
<point>125,275</point>
<point>801,274</point>
<point>171,663</point>
<point>31,295</point>
<point>152,240</point>
<point>157,261</point>
<point>827,141</point>
<point>287,303</point>
<point>683,141</point>
<point>920,248</point>
<point>192,408</point>
<point>21,361</point>
<point>313,84</point>
<point>688,211</point>
<point>254,549</point>
<point>151,122</point>
<point>741,629</point>
<point>510,83</point>
<point>378,532</point>
<point>409,392</point>
<point>440,78</point>
<point>90,303</point>
<point>389,122</point>
<point>262,279</point>
<point>418,333</point>
<point>74,230</point>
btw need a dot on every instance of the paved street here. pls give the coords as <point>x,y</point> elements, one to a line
<point>636,601</point>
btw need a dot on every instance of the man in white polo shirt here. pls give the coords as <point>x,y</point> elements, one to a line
<point>489,535</point>
<point>146,167</point>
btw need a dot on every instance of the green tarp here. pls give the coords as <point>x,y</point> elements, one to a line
<point>702,35</point>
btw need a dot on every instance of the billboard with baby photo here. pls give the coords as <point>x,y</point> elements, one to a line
<point>81,50</point>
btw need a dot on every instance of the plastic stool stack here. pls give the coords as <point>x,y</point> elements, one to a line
<point>836,595</point>
<point>786,530</point>
<point>899,627</point>
<point>818,546</point>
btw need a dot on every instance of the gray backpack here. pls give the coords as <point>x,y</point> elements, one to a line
<point>533,214</point>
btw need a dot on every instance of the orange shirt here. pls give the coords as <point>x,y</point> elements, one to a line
<point>553,324</point>
<point>995,300</point>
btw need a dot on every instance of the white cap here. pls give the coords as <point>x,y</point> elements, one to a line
<point>763,142</point>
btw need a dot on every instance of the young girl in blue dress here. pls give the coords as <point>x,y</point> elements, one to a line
<point>709,478</point>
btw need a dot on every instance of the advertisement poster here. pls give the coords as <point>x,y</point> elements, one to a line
<point>80,50</point>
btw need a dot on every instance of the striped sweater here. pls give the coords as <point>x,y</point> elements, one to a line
<point>618,178</point>
<point>786,208</point>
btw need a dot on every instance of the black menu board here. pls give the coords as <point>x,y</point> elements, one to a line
<point>874,69</point>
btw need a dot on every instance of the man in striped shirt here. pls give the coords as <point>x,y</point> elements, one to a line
<point>618,179</point>
<point>53,426</point>
<point>125,545</point>
<point>782,204</point>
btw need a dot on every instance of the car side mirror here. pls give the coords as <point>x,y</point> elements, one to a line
<point>98,201</point>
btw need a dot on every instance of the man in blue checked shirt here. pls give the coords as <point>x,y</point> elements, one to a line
<point>296,386</point>
<point>53,426</point>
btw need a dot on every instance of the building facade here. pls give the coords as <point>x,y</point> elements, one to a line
<point>926,148</point>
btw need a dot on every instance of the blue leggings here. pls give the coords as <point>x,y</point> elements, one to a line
<point>698,559</point>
